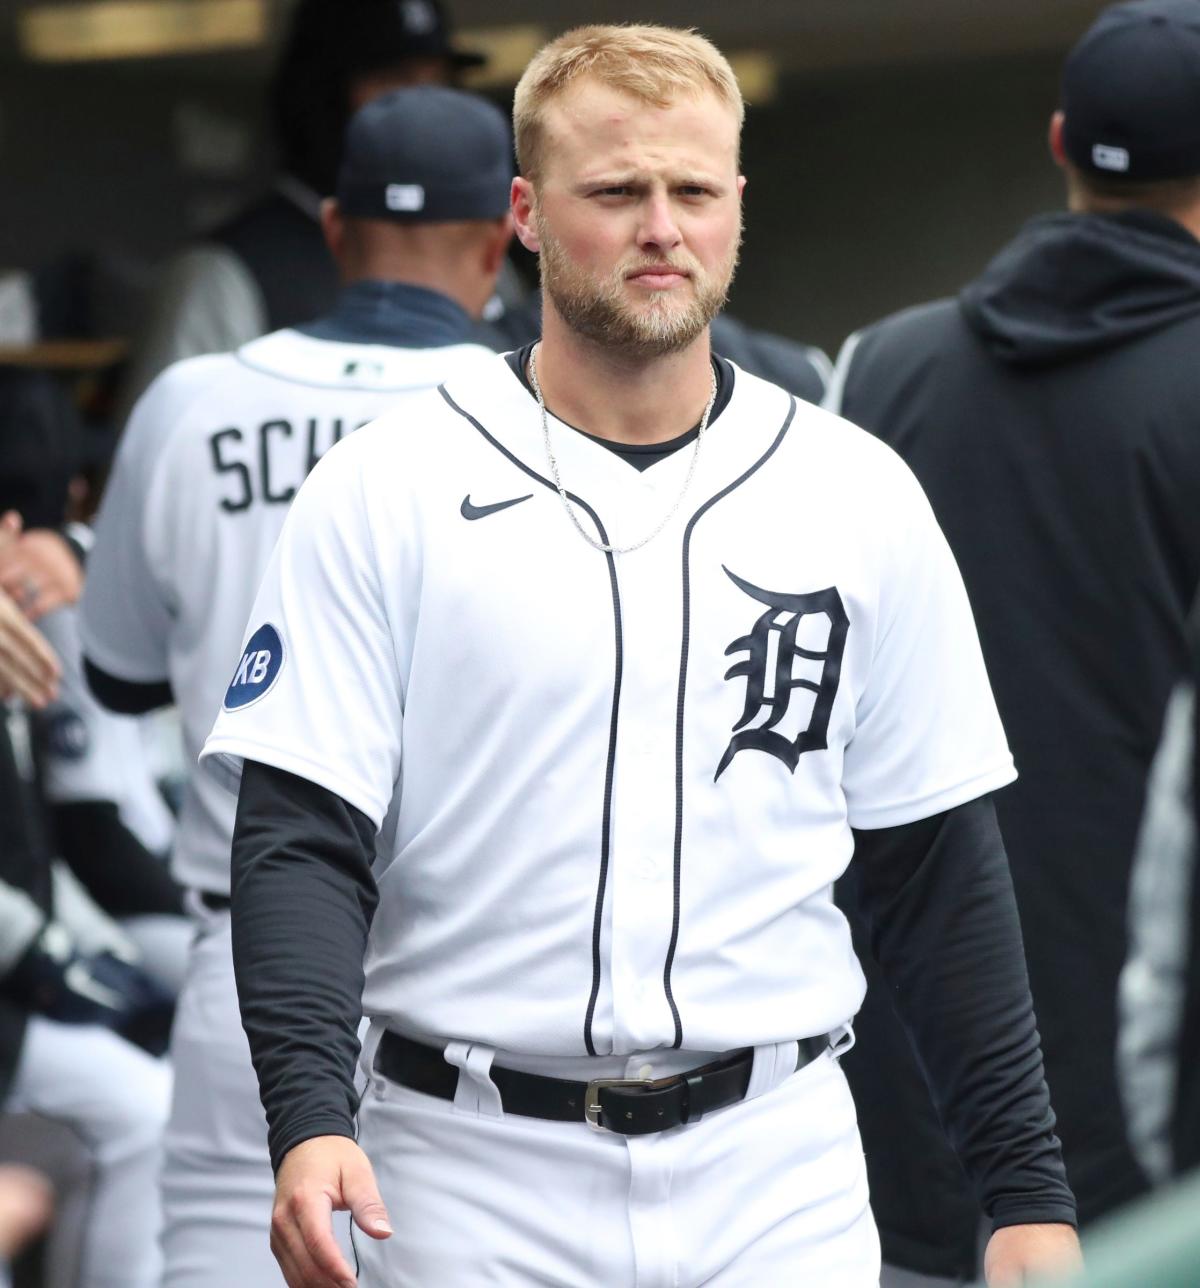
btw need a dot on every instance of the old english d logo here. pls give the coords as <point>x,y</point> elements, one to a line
<point>769,688</point>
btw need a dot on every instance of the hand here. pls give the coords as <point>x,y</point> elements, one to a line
<point>38,569</point>
<point>318,1177</point>
<point>26,1204</point>
<point>1018,1253</point>
<point>28,667</point>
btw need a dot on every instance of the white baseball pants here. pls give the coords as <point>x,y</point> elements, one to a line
<point>218,1188</point>
<point>114,1097</point>
<point>769,1191</point>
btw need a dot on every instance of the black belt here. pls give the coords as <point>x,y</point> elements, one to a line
<point>629,1106</point>
<point>214,902</point>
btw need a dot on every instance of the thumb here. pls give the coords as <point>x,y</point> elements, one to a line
<point>361,1196</point>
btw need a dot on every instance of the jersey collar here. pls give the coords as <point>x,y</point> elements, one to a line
<point>395,313</point>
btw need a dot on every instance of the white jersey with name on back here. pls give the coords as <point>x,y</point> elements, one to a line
<point>214,452</point>
<point>628,782</point>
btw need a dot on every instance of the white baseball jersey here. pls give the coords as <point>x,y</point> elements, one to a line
<point>212,456</point>
<point>621,787</point>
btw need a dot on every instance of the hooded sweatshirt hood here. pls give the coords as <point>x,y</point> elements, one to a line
<point>1073,284</point>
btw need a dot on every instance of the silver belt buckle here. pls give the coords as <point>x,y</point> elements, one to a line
<point>591,1101</point>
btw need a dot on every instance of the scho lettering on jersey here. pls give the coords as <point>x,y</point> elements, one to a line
<point>257,670</point>
<point>252,461</point>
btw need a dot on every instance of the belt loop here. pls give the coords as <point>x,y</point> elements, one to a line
<point>772,1064</point>
<point>476,1093</point>
<point>690,1085</point>
<point>841,1040</point>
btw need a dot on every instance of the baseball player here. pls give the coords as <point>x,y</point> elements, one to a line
<point>211,459</point>
<point>613,664</point>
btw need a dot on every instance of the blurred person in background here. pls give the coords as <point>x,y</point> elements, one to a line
<point>213,454</point>
<point>1051,413</point>
<point>105,814</point>
<point>269,267</point>
<point>1159,1045</point>
<point>74,1009</point>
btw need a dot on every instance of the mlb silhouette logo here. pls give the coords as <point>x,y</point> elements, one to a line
<point>257,670</point>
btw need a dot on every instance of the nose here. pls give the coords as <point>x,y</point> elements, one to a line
<point>658,230</point>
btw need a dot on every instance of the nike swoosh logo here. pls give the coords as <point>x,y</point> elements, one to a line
<point>469,511</point>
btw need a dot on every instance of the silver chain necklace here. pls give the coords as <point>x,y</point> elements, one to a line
<point>562,491</point>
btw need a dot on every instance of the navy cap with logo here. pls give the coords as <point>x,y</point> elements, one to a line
<point>360,35</point>
<point>426,154</point>
<point>1131,92</point>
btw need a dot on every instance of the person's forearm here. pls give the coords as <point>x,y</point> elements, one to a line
<point>303,898</point>
<point>938,901</point>
<point>124,878</point>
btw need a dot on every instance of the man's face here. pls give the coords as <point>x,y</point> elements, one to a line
<point>638,216</point>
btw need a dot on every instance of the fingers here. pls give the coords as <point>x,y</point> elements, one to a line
<point>10,526</point>
<point>361,1195</point>
<point>39,571</point>
<point>303,1243</point>
<point>28,666</point>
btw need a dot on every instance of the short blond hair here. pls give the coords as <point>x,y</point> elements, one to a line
<point>654,64</point>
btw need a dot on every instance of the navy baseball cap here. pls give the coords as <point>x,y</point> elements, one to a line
<point>426,154</point>
<point>361,35</point>
<point>1131,92</point>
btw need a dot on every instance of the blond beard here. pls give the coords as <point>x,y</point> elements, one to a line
<point>600,308</point>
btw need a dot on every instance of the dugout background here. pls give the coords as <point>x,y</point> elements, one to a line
<point>891,145</point>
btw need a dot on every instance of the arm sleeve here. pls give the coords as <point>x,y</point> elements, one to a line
<point>317,691</point>
<point>1153,982</point>
<point>927,736</point>
<point>126,697</point>
<point>118,871</point>
<point>303,898</point>
<point>937,900</point>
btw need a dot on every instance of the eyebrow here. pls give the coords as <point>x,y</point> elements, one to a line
<point>634,179</point>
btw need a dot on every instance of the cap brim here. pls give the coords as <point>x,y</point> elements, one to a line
<point>465,58</point>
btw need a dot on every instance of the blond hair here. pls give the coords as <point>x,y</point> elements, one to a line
<point>654,64</point>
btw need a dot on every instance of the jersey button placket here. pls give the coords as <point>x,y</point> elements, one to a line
<point>642,906</point>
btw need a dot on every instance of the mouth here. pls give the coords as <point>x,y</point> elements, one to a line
<point>658,278</point>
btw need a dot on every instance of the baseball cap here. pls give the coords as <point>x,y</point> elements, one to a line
<point>1131,92</point>
<point>361,35</point>
<point>426,154</point>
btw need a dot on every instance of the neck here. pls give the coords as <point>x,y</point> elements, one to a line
<point>618,397</point>
<point>466,296</point>
<point>1082,201</point>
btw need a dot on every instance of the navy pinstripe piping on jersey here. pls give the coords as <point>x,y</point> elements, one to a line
<point>683,664</point>
<point>610,766</point>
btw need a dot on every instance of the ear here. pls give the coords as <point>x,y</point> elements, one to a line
<point>1055,139</point>
<point>524,202</point>
<point>741,185</point>
<point>333,227</point>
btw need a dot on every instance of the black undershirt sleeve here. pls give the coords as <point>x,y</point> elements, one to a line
<point>120,873</point>
<point>303,897</point>
<point>126,697</point>
<point>937,900</point>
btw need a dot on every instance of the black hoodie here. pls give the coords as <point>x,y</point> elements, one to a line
<point>1052,414</point>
